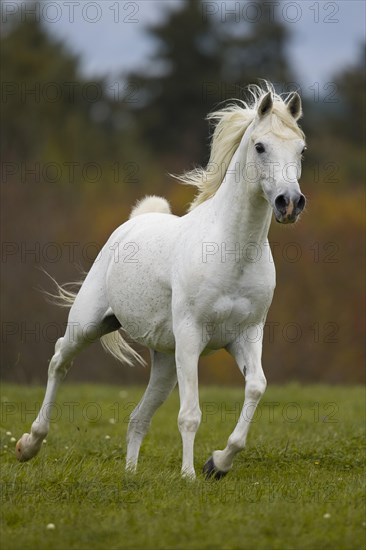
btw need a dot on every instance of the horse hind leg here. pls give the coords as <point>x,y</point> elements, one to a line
<point>29,444</point>
<point>163,379</point>
<point>66,348</point>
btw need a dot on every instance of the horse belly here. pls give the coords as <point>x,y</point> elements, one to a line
<point>141,301</point>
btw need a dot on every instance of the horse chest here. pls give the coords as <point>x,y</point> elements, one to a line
<point>243,305</point>
<point>241,292</point>
<point>231,313</point>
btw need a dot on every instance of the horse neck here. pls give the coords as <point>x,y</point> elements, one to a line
<point>243,214</point>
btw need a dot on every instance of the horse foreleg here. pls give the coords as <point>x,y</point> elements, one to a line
<point>163,378</point>
<point>188,349</point>
<point>248,357</point>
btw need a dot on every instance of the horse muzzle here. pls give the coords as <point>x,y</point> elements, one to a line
<point>287,207</point>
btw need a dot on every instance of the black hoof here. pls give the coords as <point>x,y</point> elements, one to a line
<point>210,470</point>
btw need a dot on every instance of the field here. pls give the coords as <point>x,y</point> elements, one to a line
<point>298,484</point>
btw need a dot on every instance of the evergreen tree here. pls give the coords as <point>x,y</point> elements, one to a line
<point>48,111</point>
<point>351,85</point>
<point>203,59</point>
<point>172,112</point>
<point>256,47</point>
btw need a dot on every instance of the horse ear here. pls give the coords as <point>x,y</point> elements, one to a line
<point>265,106</point>
<point>294,105</point>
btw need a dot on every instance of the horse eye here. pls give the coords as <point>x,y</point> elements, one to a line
<point>259,147</point>
<point>303,151</point>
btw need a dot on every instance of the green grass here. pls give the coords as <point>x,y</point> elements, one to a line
<point>304,460</point>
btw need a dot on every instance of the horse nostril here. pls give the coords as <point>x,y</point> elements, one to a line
<point>281,203</point>
<point>300,205</point>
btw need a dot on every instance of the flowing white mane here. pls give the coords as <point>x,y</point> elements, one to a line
<point>230,124</point>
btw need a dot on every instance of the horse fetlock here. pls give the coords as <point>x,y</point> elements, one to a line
<point>188,473</point>
<point>223,460</point>
<point>235,444</point>
<point>39,432</point>
<point>131,466</point>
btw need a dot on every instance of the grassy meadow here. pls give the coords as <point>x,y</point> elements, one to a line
<point>298,484</point>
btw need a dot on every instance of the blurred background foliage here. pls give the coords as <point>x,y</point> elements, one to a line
<point>75,158</point>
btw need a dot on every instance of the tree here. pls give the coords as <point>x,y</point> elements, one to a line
<point>200,61</point>
<point>351,85</point>
<point>43,90</point>
<point>173,107</point>
<point>255,47</point>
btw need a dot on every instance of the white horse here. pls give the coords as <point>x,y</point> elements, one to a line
<point>187,286</point>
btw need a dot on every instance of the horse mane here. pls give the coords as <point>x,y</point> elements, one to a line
<point>230,124</point>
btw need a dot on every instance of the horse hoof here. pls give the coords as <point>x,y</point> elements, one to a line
<point>21,452</point>
<point>210,470</point>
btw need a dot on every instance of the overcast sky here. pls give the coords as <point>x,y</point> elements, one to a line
<point>109,35</point>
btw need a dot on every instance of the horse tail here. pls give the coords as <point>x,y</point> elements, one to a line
<point>149,204</point>
<point>119,348</point>
<point>64,295</point>
<point>113,342</point>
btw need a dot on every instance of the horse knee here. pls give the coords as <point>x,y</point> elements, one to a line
<point>189,421</point>
<point>255,388</point>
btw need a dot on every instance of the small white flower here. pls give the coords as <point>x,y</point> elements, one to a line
<point>8,433</point>
<point>326,516</point>
<point>5,446</point>
<point>107,437</point>
<point>51,526</point>
<point>44,441</point>
<point>12,440</point>
<point>112,421</point>
<point>66,447</point>
<point>256,483</point>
